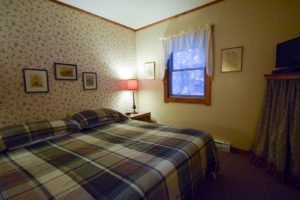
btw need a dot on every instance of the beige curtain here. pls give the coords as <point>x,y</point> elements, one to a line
<point>277,140</point>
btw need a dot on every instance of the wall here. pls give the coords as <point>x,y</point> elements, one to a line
<point>37,33</point>
<point>237,98</point>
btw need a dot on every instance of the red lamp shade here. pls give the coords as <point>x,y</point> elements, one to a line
<point>132,84</point>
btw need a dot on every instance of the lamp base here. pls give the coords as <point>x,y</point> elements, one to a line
<point>133,106</point>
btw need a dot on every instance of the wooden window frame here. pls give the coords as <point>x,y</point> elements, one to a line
<point>194,100</point>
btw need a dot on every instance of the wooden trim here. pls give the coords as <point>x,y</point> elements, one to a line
<point>282,76</point>
<point>180,14</point>
<point>91,14</point>
<point>239,151</point>
<point>132,29</point>
<point>206,100</point>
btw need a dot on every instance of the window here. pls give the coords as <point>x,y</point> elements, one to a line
<point>188,59</point>
<point>186,80</point>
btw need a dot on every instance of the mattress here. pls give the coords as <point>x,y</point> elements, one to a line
<point>124,160</point>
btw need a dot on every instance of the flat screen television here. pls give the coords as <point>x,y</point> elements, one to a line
<point>288,53</point>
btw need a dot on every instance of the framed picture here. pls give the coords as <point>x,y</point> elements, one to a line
<point>232,59</point>
<point>35,80</point>
<point>149,70</point>
<point>89,80</point>
<point>65,71</point>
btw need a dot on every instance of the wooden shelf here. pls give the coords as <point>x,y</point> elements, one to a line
<point>282,76</point>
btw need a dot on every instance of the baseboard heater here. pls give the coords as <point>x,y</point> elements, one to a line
<point>222,146</point>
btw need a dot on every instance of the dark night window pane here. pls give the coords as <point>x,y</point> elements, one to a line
<point>188,83</point>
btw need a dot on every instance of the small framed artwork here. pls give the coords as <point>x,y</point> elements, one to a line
<point>232,59</point>
<point>89,80</point>
<point>35,80</point>
<point>65,71</point>
<point>149,70</point>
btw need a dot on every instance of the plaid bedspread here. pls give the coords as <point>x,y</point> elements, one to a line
<point>125,160</point>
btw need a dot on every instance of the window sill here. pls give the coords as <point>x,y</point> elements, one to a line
<point>205,101</point>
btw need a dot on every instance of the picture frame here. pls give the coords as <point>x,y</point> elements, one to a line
<point>35,80</point>
<point>232,59</point>
<point>149,70</point>
<point>89,80</point>
<point>65,71</point>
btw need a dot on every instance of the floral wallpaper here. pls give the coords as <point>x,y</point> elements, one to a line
<point>37,33</point>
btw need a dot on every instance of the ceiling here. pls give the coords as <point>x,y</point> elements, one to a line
<point>136,14</point>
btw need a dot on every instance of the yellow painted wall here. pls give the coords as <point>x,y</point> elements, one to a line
<point>237,98</point>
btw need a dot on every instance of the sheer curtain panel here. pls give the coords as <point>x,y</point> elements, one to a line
<point>200,39</point>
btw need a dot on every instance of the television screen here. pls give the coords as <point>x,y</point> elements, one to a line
<point>288,53</point>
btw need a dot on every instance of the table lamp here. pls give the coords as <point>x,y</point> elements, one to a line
<point>132,84</point>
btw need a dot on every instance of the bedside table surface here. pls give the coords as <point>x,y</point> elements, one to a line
<point>138,114</point>
<point>142,116</point>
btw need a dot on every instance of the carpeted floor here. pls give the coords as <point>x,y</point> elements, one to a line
<point>238,179</point>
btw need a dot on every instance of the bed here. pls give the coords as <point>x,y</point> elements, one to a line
<point>123,159</point>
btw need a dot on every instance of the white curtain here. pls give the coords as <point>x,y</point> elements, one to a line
<point>200,39</point>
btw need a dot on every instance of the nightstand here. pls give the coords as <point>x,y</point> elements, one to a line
<point>146,116</point>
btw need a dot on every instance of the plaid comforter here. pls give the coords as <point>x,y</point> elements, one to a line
<point>125,160</point>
